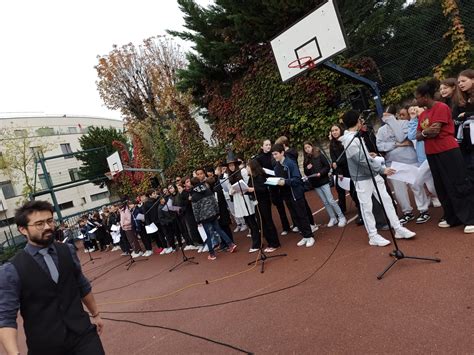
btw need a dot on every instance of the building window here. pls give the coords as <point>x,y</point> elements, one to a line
<point>45,131</point>
<point>37,152</point>
<point>99,196</point>
<point>20,133</point>
<point>42,180</point>
<point>66,149</point>
<point>7,189</point>
<point>65,205</point>
<point>74,174</point>
<point>72,130</point>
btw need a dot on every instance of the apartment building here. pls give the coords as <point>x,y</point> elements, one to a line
<point>60,134</point>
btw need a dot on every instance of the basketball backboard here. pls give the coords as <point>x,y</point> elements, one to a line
<point>318,35</point>
<point>115,164</point>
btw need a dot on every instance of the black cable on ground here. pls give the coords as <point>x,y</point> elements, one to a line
<point>181,332</point>
<point>238,299</point>
<point>137,281</point>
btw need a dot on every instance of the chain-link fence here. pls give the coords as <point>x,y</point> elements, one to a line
<point>417,44</point>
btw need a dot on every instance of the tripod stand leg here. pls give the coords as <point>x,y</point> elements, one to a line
<point>379,277</point>
<point>423,258</point>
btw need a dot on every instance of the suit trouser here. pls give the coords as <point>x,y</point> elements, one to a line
<point>365,189</point>
<point>265,220</point>
<point>301,217</point>
<point>454,186</point>
<point>401,194</point>
<point>88,343</point>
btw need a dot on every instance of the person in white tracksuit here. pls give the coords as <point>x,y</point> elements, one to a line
<point>361,174</point>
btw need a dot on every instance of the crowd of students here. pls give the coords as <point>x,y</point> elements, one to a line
<point>431,133</point>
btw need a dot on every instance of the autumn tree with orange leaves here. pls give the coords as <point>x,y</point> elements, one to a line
<point>141,83</point>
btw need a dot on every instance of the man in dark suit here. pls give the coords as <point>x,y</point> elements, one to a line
<point>45,282</point>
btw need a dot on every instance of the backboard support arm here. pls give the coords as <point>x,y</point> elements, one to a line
<point>372,85</point>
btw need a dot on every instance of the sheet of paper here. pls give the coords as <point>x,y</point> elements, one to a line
<point>380,160</point>
<point>140,217</point>
<point>151,228</point>
<point>202,232</point>
<point>404,172</point>
<point>80,236</point>
<point>92,231</point>
<point>471,126</point>
<point>273,181</point>
<point>269,172</point>
<point>243,188</point>
<point>174,208</point>
<point>115,237</point>
<point>345,182</point>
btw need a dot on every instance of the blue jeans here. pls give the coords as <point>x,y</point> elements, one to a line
<point>211,228</point>
<point>331,205</point>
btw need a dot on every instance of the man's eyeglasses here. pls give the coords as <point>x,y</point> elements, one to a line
<point>40,225</point>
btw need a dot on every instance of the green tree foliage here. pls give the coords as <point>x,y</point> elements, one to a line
<point>94,164</point>
<point>233,75</point>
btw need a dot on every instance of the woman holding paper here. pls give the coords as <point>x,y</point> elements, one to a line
<point>243,206</point>
<point>264,207</point>
<point>393,142</point>
<point>316,169</point>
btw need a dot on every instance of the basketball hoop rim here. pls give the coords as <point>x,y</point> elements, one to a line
<point>308,63</point>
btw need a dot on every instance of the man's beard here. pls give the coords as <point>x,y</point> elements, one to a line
<point>45,239</point>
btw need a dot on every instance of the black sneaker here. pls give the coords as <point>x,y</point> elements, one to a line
<point>423,218</point>
<point>407,217</point>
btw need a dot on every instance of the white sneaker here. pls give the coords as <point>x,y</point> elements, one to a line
<point>342,222</point>
<point>168,250</point>
<point>332,222</point>
<point>310,242</point>
<point>243,227</point>
<point>443,224</point>
<point>148,253</point>
<point>252,250</point>
<point>295,229</point>
<point>86,251</point>
<point>125,254</point>
<point>205,248</point>
<point>314,228</point>
<point>469,229</point>
<point>196,247</point>
<point>200,249</point>
<point>378,240</point>
<point>403,233</point>
<point>435,202</point>
<point>91,250</point>
<point>237,229</point>
<point>188,247</point>
<point>302,242</point>
<point>115,248</point>
<point>249,235</point>
<point>284,233</point>
<point>136,255</point>
<point>163,252</point>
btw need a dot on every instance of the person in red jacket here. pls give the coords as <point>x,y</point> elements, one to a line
<point>455,189</point>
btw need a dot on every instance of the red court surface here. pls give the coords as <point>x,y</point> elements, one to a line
<point>319,300</point>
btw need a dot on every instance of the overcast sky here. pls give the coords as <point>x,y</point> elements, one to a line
<point>49,49</point>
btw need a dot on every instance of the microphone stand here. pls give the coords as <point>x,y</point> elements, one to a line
<point>185,258</point>
<point>396,253</point>
<point>262,256</point>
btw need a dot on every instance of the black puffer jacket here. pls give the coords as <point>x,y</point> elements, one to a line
<point>319,165</point>
<point>205,207</point>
